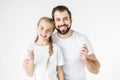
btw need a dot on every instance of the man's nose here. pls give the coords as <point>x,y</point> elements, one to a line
<point>62,22</point>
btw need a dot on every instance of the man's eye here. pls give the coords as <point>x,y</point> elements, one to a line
<point>66,18</point>
<point>57,19</point>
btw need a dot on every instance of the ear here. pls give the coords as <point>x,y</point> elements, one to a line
<point>37,28</point>
<point>71,20</point>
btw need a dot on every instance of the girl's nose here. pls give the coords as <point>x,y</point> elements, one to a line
<point>44,32</point>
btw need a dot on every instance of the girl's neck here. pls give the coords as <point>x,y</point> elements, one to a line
<point>42,43</point>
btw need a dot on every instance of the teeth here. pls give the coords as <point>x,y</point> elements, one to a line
<point>63,27</point>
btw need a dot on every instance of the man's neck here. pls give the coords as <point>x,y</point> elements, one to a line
<point>65,36</point>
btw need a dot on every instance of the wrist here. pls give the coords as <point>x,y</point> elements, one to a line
<point>85,61</point>
<point>31,59</point>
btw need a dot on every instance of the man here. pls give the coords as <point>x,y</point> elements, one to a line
<point>76,48</point>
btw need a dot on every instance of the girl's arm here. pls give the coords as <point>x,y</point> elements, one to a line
<point>28,64</point>
<point>60,73</point>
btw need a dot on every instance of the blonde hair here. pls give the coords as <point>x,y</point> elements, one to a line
<point>47,19</point>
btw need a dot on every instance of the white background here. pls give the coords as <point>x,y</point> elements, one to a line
<point>98,19</point>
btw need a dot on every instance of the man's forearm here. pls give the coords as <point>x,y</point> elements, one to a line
<point>92,66</point>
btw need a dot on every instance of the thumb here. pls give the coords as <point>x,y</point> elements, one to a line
<point>31,51</point>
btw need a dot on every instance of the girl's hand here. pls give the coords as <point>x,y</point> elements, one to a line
<point>29,60</point>
<point>30,54</point>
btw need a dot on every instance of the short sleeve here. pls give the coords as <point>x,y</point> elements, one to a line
<point>28,47</point>
<point>89,45</point>
<point>60,58</point>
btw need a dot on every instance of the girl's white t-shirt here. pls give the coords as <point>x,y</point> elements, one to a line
<point>41,54</point>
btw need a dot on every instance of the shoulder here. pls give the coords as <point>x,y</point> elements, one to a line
<point>30,46</point>
<point>55,45</point>
<point>78,34</point>
<point>54,35</point>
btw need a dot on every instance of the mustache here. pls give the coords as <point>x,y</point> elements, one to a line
<point>63,25</point>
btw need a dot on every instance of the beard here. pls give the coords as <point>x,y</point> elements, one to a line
<point>63,31</point>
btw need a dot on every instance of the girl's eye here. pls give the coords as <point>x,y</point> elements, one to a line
<point>41,28</point>
<point>48,30</point>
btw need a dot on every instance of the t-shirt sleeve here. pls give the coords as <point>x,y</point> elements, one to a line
<point>60,58</point>
<point>28,47</point>
<point>89,45</point>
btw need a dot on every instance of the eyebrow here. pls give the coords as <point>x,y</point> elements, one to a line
<point>50,28</point>
<point>63,17</point>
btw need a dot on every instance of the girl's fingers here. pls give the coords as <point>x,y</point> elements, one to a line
<point>30,52</point>
<point>27,60</point>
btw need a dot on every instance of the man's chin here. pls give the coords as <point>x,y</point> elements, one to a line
<point>63,32</point>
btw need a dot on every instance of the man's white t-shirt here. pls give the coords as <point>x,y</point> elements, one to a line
<point>41,54</point>
<point>74,68</point>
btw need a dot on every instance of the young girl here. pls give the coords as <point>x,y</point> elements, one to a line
<point>45,59</point>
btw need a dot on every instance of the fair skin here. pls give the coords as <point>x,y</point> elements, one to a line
<point>89,60</point>
<point>44,31</point>
<point>60,73</point>
<point>28,63</point>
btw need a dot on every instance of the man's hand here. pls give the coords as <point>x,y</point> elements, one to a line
<point>84,52</point>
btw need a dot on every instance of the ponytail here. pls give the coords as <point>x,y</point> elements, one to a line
<point>50,50</point>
